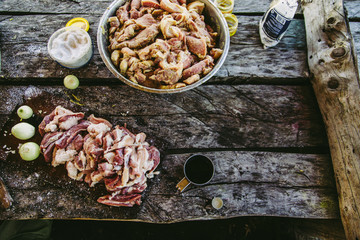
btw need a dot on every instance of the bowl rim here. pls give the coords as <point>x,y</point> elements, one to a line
<point>101,31</point>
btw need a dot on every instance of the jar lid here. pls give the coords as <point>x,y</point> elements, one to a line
<point>79,22</point>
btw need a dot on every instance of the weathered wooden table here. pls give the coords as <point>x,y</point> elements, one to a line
<point>258,119</point>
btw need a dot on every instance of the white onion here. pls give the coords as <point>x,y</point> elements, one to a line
<point>25,112</point>
<point>23,131</point>
<point>29,151</point>
<point>71,82</point>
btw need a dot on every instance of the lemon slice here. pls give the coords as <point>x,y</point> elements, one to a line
<point>225,6</point>
<point>79,22</point>
<point>232,22</point>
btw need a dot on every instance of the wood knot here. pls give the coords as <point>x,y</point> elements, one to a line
<point>338,52</point>
<point>333,83</point>
<point>331,20</point>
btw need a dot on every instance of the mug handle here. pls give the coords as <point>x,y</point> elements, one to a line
<point>182,184</point>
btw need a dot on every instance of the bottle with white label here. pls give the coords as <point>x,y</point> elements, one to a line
<point>276,21</point>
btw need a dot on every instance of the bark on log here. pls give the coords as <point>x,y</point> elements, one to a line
<point>332,60</point>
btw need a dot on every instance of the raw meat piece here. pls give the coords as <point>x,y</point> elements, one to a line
<point>70,134</point>
<point>168,27</point>
<point>61,156</point>
<point>196,6</point>
<point>80,161</point>
<point>73,171</point>
<point>114,24</point>
<point>102,153</point>
<point>50,138</point>
<point>171,7</point>
<point>198,68</point>
<point>106,169</point>
<point>150,3</point>
<point>47,119</point>
<point>145,21</point>
<point>216,53</point>
<point>76,144</point>
<point>96,120</point>
<point>143,38</point>
<point>58,113</point>
<point>127,33</point>
<point>135,4</point>
<point>48,152</point>
<point>197,46</point>
<point>192,79</point>
<point>123,13</point>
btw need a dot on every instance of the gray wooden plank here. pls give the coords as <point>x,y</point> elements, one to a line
<point>56,7</point>
<point>248,6</point>
<point>250,183</point>
<point>255,116</point>
<point>10,99</point>
<point>98,7</point>
<point>249,60</point>
<point>42,26</point>
<point>25,55</point>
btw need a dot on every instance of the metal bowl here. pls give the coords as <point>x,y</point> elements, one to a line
<point>212,15</point>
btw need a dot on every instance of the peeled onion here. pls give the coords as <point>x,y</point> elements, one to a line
<point>29,151</point>
<point>23,131</point>
<point>71,82</point>
<point>25,112</point>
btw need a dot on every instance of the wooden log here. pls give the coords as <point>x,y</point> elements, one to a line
<point>332,60</point>
<point>355,32</point>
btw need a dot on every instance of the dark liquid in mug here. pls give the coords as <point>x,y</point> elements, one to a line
<point>199,169</point>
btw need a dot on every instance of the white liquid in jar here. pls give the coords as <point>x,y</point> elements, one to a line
<point>70,46</point>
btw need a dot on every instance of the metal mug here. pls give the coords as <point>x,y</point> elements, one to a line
<point>198,170</point>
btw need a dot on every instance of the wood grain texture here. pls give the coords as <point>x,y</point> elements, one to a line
<point>98,7</point>
<point>251,182</point>
<point>332,60</point>
<point>261,116</point>
<point>24,52</point>
<point>246,187</point>
<point>268,141</point>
